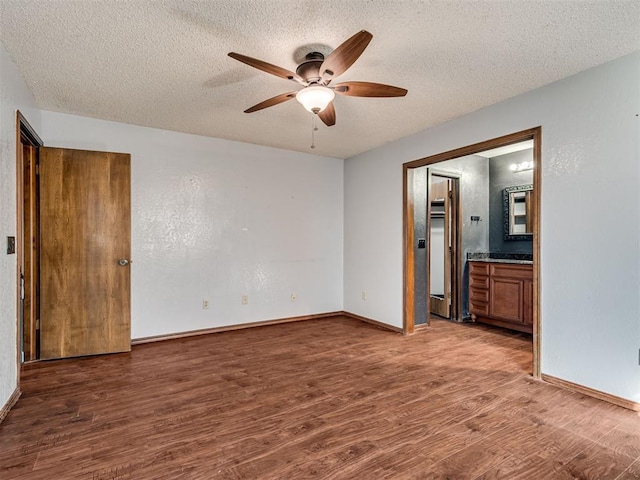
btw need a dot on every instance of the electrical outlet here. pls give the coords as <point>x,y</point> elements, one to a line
<point>364,295</point>
<point>245,299</point>
<point>293,297</point>
<point>205,304</point>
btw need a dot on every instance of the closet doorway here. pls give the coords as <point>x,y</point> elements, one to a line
<point>443,236</point>
<point>73,245</point>
<point>27,239</point>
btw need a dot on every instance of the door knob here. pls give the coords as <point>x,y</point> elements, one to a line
<point>123,262</point>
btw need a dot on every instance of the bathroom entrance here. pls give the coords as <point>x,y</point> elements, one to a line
<point>495,237</point>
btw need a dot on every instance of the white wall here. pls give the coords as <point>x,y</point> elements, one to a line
<point>590,241</point>
<point>214,219</point>
<point>14,95</point>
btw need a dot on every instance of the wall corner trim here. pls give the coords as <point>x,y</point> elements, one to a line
<point>264,323</point>
<point>228,328</point>
<point>606,397</point>
<point>13,399</point>
<point>377,323</point>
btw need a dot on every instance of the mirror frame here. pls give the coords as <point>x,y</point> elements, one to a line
<point>506,197</point>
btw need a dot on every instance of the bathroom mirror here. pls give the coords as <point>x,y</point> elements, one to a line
<point>518,218</point>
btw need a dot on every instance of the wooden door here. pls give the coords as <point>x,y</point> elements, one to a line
<point>85,224</point>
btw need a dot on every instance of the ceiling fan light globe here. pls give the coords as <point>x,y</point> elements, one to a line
<point>315,98</point>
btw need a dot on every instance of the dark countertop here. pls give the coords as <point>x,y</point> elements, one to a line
<point>501,257</point>
<point>502,260</point>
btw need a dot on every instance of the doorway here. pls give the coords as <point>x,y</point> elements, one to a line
<point>443,235</point>
<point>27,241</point>
<point>73,250</point>
<point>436,227</point>
<point>528,288</point>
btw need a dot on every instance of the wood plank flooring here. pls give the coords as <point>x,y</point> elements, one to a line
<point>328,399</point>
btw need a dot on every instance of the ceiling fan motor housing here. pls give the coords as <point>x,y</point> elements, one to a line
<point>309,70</point>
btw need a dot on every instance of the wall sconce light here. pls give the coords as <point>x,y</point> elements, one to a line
<point>521,167</point>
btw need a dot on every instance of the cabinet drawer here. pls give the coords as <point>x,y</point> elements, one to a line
<point>478,308</point>
<point>524,272</point>
<point>480,268</point>
<point>478,281</point>
<point>479,295</point>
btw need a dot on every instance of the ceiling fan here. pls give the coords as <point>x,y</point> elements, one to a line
<point>316,73</point>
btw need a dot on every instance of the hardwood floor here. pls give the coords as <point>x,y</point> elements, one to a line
<point>333,398</point>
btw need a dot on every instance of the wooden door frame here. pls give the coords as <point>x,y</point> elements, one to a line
<point>534,134</point>
<point>456,223</point>
<point>24,132</point>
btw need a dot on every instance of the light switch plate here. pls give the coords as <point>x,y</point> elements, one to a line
<point>11,245</point>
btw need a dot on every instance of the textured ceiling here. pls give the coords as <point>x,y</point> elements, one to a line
<point>164,63</point>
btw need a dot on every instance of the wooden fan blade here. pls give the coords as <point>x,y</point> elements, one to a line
<point>328,115</point>
<point>347,53</point>
<point>271,102</point>
<point>267,67</point>
<point>368,89</point>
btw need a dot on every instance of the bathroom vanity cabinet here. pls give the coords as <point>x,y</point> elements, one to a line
<point>502,294</point>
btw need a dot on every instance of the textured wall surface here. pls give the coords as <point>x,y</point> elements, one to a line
<point>500,176</point>
<point>14,95</point>
<point>419,177</point>
<point>590,151</point>
<point>215,220</point>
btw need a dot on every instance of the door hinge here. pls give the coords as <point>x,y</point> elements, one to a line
<point>450,194</point>
<point>21,286</point>
<point>37,169</point>
<point>449,295</point>
<point>37,324</point>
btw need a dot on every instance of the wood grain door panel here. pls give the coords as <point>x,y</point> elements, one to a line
<point>85,230</point>
<point>506,299</point>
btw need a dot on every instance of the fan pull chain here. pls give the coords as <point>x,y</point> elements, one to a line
<point>314,129</point>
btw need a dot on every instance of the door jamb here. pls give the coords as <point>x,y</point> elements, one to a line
<point>457,301</point>
<point>534,134</point>
<point>26,131</point>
